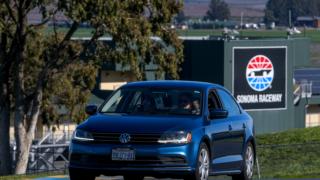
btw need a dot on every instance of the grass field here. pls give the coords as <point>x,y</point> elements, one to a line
<point>313,34</point>
<point>291,154</point>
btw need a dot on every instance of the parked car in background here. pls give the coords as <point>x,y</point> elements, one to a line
<point>176,129</point>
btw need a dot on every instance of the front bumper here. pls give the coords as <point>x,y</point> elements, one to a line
<point>151,160</point>
<point>172,172</point>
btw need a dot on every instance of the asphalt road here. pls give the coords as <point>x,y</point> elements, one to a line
<point>120,178</point>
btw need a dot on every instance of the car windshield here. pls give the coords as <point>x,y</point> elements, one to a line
<point>174,101</point>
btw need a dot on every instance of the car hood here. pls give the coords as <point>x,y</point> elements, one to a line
<point>138,124</point>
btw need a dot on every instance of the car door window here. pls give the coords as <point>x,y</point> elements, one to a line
<point>213,101</point>
<point>229,103</point>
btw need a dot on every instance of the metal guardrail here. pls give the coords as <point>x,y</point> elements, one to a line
<point>49,154</point>
<point>47,158</point>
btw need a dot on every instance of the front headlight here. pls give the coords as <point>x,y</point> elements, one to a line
<point>179,137</point>
<point>82,135</point>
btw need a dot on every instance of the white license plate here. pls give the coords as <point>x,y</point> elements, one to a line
<point>123,155</point>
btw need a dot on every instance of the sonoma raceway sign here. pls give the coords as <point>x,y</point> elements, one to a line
<point>259,77</point>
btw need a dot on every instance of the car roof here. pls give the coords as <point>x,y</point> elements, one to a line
<point>173,83</point>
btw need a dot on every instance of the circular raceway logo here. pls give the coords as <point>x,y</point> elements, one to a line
<point>260,73</point>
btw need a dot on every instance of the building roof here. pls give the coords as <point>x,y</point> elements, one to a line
<point>308,18</point>
<point>304,18</point>
<point>309,75</point>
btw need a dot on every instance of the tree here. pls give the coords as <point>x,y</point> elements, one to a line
<point>39,69</point>
<point>5,93</point>
<point>274,10</point>
<point>180,18</point>
<point>218,10</point>
<point>313,7</point>
<point>278,10</point>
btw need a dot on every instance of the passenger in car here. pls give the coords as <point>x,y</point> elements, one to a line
<point>196,106</point>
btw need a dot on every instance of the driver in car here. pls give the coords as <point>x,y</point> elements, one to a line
<point>186,103</point>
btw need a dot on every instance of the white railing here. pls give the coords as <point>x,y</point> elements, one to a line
<point>44,154</point>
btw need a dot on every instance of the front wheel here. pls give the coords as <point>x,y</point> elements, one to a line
<point>203,165</point>
<point>248,161</point>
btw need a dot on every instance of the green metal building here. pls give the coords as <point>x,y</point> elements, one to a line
<point>224,62</point>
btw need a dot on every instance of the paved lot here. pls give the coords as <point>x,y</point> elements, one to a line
<point>120,178</point>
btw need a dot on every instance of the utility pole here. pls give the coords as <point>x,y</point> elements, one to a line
<point>290,20</point>
<point>241,24</point>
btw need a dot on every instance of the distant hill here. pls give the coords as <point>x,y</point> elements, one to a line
<point>250,8</point>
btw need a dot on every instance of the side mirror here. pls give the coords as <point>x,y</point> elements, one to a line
<point>218,114</point>
<point>91,109</point>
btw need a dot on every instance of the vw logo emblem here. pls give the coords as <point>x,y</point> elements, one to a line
<point>124,138</point>
<point>260,73</point>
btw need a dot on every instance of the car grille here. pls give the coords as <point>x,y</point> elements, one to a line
<point>135,138</point>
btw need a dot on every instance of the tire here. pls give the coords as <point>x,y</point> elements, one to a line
<point>248,165</point>
<point>133,177</point>
<point>78,175</point>
<point>203,164</point>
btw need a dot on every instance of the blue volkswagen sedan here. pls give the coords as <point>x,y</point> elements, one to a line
<point>175,129</point>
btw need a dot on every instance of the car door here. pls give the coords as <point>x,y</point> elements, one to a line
<point>237,127</point>
<point>219,131</point>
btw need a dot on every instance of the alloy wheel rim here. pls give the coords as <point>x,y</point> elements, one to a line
<point>249,162</point>
<point>204,164</point>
